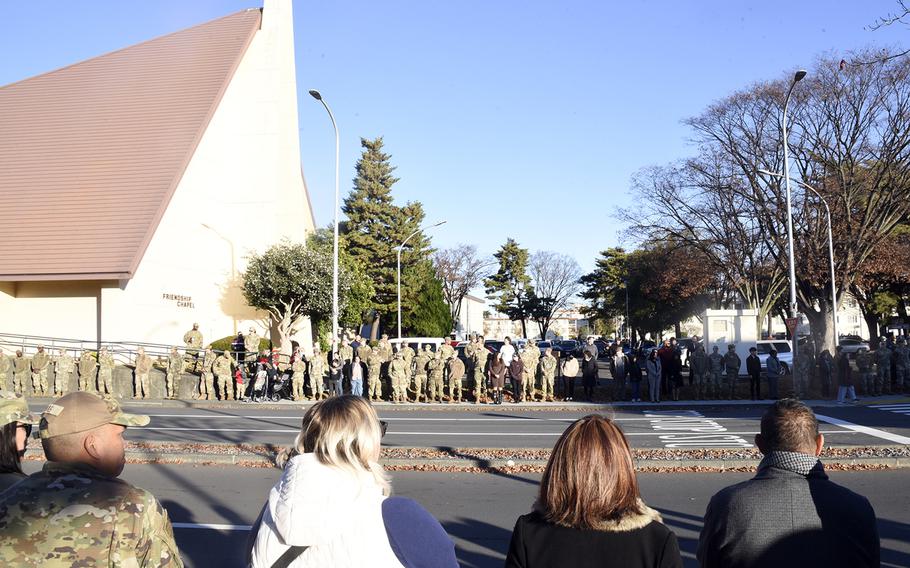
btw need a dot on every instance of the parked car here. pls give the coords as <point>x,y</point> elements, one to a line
<point>850,345</point>
<point>784,352</point>
<point>543,346</point>
<point>603,347</point>
<point>494,345</point>
<point>417,343</point>
<point>569,346</point>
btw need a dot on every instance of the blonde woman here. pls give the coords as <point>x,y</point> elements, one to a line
<point>331,506</point>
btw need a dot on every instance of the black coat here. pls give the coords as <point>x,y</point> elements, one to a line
<point>589,372</point>
<point>753,365</point>
<point>636,541</point>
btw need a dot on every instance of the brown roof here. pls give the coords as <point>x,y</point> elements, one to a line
<point>91,154</point>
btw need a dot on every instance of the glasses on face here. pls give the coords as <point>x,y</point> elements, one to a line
<point>383,426</point>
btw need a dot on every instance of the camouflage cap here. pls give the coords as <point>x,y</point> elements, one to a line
<point>83,411</point>
<point>15,409</point>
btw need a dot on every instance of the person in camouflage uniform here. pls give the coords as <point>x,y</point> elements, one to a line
<point>446,350</point>
<point>530,357</point>
<point>408,355</point>
<point>40,362</point>
<point>864,366</point>
<point>398,378</point>
<point>317,372</point>
<point>901,365</point>
<point>298,366</point>
<point>435,369</point>
<point>142,369</point>
<point>732,364</point>
<point>174,369</point>
<point>88,367</point>
<point>105,372</point>
<point>455,368</point>
<point>76,511</point>
<point>14,413</point>
<point>385,348</point>
<point>6,364</point>
<point>699,367</point>
<point>803,365</point>
<point>548,365</point>
<point>20,372</point>
<point>346,353</point>
<point>222,369</point>
<point>193,341</point>
<point>883,364</point>
<point>715,372</point>
<point>420,372</point>
<point>374,376</point>
<point>251,343</point>
<point>469,350</point>
<point>64,365</point>
<point>481,355</point>
<point>363,350</point>
<point>207,381</point>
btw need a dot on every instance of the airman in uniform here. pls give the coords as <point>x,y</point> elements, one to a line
<point>88,367</point>
<point>193,341</point>
<point>40,362</point>
<point>902,365</point>
<point>732,364</point>
<point>446,350</point>
<point>174,369</point>
<point>298,366</point>
<point>481,354</point>
<point>456,373</point>
<point>883,363</point>
<point>251,343</point>
<point>715,371</point>
<point>317,372</point>
<point>374,376</point>
<point>142,369</point>
<point>346,353</point>
<point>699,367</point>
<point>864,366</point>
<point>548,365</point>
<point>364,351</point>
<point>105,372</point>
<point>64,365</point>
<point>408,355</point>
<point>420,372</point>
<point>469,351</point>
<point>222,370</point>
<point>20,372</point>
<point>76,511</point>
<point>435,368</point>
<point>6,364</point>
<point>207,381</point>
<point>398,377</point>
<point>385,348</point>
<point>530,357</point>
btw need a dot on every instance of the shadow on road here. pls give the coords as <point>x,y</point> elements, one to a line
<point>490,542</point>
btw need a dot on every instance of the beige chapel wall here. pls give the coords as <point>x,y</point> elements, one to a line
<point>50,309</point>
<point>244,182</point>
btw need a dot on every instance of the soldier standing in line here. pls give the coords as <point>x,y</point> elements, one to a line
<point>207,381</point>
<point>435,368</point>
<point>87,369</point>
<point>20,372</point>
<point>469,350</point>
<point>298,366</point>
<point>385,348</point>
<point>40,363</point>
<point>398,377</point>
<point>732,364</point>
<point>105,372</point>
<point>174,369</point>
<point>317,372</point>
<point>363,351</point>
<point>222,369</point>
<point>864,366</point>
<point>456,373</point>
<point>346,354</point>
<point>715,371</point>
<point>408,355</point>
<point>374,376</point>
<point>698,367</point>
<point>883,363</point>
<point>529,358</point>
<point>421,360</point>
<point>142,370</point>
<point>64,365</point>
<point>481,354</point>
<point>548,364</point>
<point>251,343</point>
<point>826,367</point>
<point>193,341</point>
<point>902,365</point>
<point>5,365</point>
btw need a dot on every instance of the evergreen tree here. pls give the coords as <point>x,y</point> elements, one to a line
<point>429,315</point>
<point>510,286</point>
<point>376,227</point>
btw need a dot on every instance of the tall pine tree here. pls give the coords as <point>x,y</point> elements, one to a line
<point>511,285</point>
<point>376,227</point>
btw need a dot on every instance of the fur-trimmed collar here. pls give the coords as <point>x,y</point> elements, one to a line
<point>630,522</point>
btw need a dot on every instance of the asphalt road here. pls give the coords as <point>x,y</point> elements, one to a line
<point>212,507</point>
<point>684,425</point>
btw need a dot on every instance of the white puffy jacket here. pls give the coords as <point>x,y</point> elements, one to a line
<point>333,512</point>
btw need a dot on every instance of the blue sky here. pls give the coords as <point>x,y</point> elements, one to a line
<point>506,118</point>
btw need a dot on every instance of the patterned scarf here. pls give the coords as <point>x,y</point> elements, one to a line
<point>790,461</point>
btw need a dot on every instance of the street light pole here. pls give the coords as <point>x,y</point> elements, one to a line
<point>794,308</point>
<point>400,247</point>
<point>316,95</point>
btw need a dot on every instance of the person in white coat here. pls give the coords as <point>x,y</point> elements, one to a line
<point>331,506</point>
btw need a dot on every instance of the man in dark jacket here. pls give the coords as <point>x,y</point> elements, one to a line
<point>753,367</point>
<point>790,513</point>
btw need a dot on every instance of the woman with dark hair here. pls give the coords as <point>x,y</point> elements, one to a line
<point>589,511</point>
<point>15,427</point>
<point>497,375</point>
<point>516,371</point>
<point>589,375</point>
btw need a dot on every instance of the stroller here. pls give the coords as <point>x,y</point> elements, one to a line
<point>260,389</point>
<point>281,387</point>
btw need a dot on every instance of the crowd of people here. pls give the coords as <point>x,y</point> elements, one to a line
<point>332,505</point>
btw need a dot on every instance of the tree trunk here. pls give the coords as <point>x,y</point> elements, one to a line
<point>677,328</point>
<point>524,328</point>
<point>374,327</point>
<point>820,327</point>
<point>544,327</point>
<point>283,326</point>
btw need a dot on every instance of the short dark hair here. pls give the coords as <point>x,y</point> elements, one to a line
<point>789,425</point>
